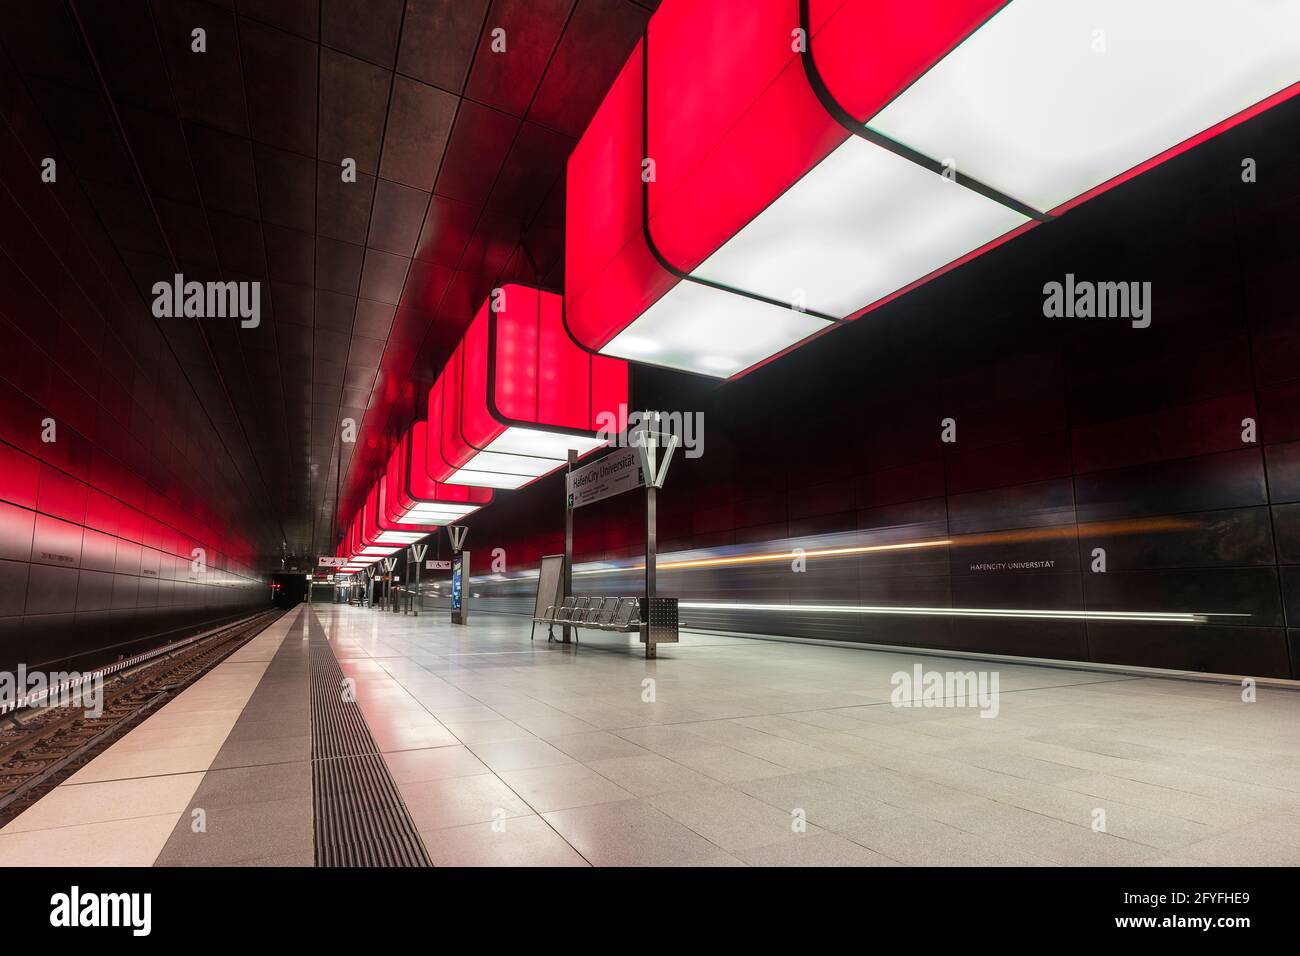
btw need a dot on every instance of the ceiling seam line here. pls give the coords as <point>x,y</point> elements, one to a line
<point>496,179</point>
<point>338,505</point>
<point>261,222</point>
<point>379,163</point>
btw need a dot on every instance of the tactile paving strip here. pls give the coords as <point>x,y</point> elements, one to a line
<point>360,817</point>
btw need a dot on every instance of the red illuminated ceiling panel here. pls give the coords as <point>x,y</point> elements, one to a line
<point>405,505</point>
<point>518,393</point>
<point>410,498</point>
<point>762,169</point>
<point>373,543</point>
<point>389,532</point>
<point>352,547</point>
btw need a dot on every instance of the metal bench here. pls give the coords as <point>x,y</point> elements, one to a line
<point>620,615</point>
<point>594,613</point>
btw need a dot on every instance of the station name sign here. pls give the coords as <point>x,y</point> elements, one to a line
<point>614,474</point>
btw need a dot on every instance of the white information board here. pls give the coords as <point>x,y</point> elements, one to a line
<point>614,474</point>
<point>550,584</point>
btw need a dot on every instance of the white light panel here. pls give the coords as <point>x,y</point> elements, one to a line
<point>487,479</point>
<point>543,444</point>
<point>518,455</point>
<point>863,224</point>
<point>504,464</point>
<point>1050,98</point>
<point>435,514</point>
<point>697,328</point>
<point>398,537</point>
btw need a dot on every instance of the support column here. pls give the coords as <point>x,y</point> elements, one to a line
<point>651,559</point>
<point>567,632</point>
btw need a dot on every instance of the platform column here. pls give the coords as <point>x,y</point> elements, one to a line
<point>566,631</point>
<point>651,559</point>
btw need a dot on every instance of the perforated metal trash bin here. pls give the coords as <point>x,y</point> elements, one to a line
<point>658,622</point>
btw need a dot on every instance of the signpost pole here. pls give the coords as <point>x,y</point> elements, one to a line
<point>651,538</point>
<point>644,463</point>
<point>566,631</point>
<point>651,542</point>
<point>460,585</point>
<point>416,555</point>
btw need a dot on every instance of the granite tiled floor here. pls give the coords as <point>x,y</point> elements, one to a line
<point>255,801</point>
<point>724,751</point>
<point>769,753</point>
<point>123,807</point>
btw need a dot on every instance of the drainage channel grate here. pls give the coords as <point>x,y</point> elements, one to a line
<point>360,817</point>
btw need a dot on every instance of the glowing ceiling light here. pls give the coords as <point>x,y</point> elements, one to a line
<point>517,394</point>
<point>860,226</point>
<point>409,498</point>
<point>738,193</point>
<point>1052,98</point>
<point>692,323</point>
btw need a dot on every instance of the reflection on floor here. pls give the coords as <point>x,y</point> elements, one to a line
<point>724,751</point>
<point>774,753</point>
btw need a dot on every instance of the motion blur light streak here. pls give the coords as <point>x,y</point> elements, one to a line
<point>1132,526</point>
<point>781,556</point>
<point>1000,537</point>
<point>1165,617</point>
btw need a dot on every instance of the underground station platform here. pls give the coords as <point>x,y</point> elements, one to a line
<point>456,748</point>
<point>490,436</point>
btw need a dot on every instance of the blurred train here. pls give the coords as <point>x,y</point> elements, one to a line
<point>1025,593</point>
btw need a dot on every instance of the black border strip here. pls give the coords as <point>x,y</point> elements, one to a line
<point>862,131</point>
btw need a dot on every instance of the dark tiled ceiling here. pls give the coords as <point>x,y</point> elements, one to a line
<point>226,165</point>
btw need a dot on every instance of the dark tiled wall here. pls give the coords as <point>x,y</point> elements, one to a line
<point>1072,435</point>
<point>98,527</point>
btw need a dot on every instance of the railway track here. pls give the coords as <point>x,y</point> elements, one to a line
<point>41,747</point>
